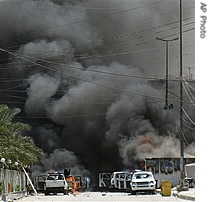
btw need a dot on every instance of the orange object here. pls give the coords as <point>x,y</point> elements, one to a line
<point>73,184</point>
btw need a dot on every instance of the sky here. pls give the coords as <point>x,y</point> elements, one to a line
<point>84,74</point>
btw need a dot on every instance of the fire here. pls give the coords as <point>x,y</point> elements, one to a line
<point>74,184</point>
<point>145,144</point>
<point>144,139</point>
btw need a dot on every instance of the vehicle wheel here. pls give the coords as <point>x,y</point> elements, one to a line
<point>128,190</point>
<point>133,192</point>
<point>46,193</point>
<point>152,192</point>
<point>111,189</point>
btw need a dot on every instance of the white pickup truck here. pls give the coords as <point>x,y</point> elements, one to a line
<point>55,183</point>
<point>142,181</point>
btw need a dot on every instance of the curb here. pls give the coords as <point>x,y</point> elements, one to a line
<point>181,196</point>
<point>178,195</point>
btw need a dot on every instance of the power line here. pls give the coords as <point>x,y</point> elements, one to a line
<point>133,33</point>
<point>99,41</point>
<point>13,87</point>
<point>85,80</point>
<point>186,91</point>
<point>91,70</point>
<point>88,69</point>
<point>187,126</point>
<point>189,85</point>
<point>183,135</point>
<point>188,116</point>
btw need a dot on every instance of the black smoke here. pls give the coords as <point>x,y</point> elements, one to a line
<point>69,66</point>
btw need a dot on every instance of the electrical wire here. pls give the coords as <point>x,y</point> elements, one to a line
<point>88,69</point>
<point>85,80</point>
<point>78,78</point>
<point>131,34</point>
<point>187,89</point>
<point>183,135</point>
<point>14,87</point>
<point>186,125</point>
<point>188,94</point>
<point>189,86</point>
<point>99,41</point>
<point>79,58</point>
<point>6,80</point>
<point>116,54</point>
<point>188,116</point>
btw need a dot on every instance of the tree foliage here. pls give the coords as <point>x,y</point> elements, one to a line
<point>13,145</point>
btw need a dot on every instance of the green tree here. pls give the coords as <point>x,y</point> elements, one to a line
<point>13,145</point>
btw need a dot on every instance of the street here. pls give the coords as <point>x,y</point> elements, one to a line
<point>100,196</point>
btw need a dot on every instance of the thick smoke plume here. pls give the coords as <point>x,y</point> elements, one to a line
<point>82,68</point>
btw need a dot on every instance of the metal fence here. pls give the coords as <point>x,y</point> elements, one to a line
<point>12,181</point>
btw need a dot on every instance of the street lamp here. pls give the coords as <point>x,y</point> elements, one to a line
<point>9,161</point>
<point>167,62</point>
<point>3,160</point>
<point>3,194</point>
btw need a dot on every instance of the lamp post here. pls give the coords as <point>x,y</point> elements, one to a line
<point>167,66</point>
<point>3,194</point>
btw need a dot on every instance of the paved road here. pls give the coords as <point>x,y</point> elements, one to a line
<point>100,196</point>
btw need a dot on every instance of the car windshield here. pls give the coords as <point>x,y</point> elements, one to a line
<point>143,176</point>
<point>55,177</point>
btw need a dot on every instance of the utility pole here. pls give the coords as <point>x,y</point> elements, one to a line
<point>182,175</point>
<point>181,105</point>
<point>167,66</point>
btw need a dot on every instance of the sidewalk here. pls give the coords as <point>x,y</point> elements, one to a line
<point>187,195</point>
<point>10,197</point>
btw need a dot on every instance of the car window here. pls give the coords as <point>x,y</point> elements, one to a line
<point>60,177</point>
<point>55,177</point>
<point>50,177</point>
<point>143,176</point>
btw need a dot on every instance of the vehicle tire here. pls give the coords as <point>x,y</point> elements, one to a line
<point>133,192</point>
<point>46,193</point>
<point>111,189</point>
<point>128,190</point>
<point>152,192</point>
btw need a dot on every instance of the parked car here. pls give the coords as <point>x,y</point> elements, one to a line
<point>56,183</point>
<point>142,181</point>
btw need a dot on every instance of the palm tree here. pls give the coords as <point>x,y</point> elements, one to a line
<point>13,145</point>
